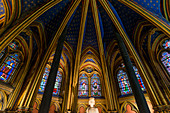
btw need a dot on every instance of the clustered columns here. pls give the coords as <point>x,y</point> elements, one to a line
<point>138,94</point>
<point>46,100</point>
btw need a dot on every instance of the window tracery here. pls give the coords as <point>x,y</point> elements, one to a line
<point>166,60</point>
<point>123,81</point>
<point>83,85</point>
<point>124,84</point>
<point>95,86</point>
<point>89,84</point>
<point>57,85</point>
<point>10,61</point>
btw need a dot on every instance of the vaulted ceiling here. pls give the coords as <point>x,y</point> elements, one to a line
<point>127,17</point>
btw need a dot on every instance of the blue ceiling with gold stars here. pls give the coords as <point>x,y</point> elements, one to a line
<point>73,30</point>
<point>28,5</point>
<point>151,5</point>
<point>128,19</point>
<point>90,38</point>
<point>53,18</point>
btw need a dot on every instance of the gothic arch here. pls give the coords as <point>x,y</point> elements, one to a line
<point>11,11</point>
<point>3,100</point>
<point>81,105</point>
<point>103,108</point>
<point>133,107</point>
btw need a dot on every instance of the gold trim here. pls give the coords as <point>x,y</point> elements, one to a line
<point>131,49</point>
<point>16,30</point>
<point>165,28</point>
<point>78,56</point>
<point>108,95</point>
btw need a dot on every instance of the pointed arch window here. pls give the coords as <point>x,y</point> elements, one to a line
<point>165,56</point>
<point>123,81</point>
<point>57,85</point>
<point>95,86</point>
<point>166,60</point>
<point>10,60</point>
<point>139,78</point>
<point>9,66</point>
<point>83,86</point>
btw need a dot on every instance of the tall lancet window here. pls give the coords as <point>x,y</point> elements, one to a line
<point>11,59</point>
<point>139,78</point>
<point>123,81</point>
<point>57,85</point>
<point>83,86</point>
<point>95,86</point>
<point>165,57</point>
<point>9,66</point>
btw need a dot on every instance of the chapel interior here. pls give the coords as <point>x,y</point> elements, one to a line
<point>56,54</point>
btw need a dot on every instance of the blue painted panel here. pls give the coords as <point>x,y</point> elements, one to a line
<point>151,5</point>
<point>28,5</point>
<point>90,38</point>
<point>73,29</point>
<point>53,18</point>
<point>128,17</point>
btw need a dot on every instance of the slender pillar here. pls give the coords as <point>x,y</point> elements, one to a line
<point>139,96</point>
<point>46,100</point>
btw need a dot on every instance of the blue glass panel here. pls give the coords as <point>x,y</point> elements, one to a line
<point>123,82</point>
<point>166,44</point>
<point>83,86</point>
<point>8,67</point>
<point>95,86</point>
<point>139,78</point>
<point>57,85</point>
<point>166,61</point>
<point>13,45</point>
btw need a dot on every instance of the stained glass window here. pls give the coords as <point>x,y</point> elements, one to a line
<point>13,45</point>
<point>45,77</point>
<point>89,69</point>
<point>57,85</point>
<point>9,66</point>
<point>166,44</point>
<point>83,86</point>
<point>2,54</point>
<point>123,82</point>
<point>95,86</point>
<point>166,60</point>
<point>139,78</point>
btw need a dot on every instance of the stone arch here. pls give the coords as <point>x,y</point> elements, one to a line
<point>128,107</point>
<point>101,108</point>
<point>3,100</point>
<point>57,106</point>
<point>82,108</point>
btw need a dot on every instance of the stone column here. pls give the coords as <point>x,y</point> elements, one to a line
<point>139,96</point>
<point>46,100</point>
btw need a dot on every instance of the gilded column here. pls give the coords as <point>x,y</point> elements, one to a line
<point>78,55</point>
<point>109,98</point>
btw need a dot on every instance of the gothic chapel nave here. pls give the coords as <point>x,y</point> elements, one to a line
<point>56,54</point>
